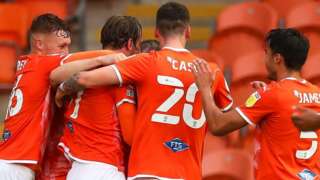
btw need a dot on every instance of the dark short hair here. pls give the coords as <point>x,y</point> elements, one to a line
<point>292,45</point>
<point>172,18</point>
<point>48,23</point>
<point>117,31</point>
<point>149,45</point>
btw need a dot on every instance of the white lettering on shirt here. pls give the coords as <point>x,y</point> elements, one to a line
<point>307,97</point>
<point>180,65</point>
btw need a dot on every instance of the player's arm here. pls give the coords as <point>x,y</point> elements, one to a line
<point>133,70</point>
<point>306,119</point>
<point>125,98</point>
<point>98,77</point>
<point>126,115</point>
<point>219,123</point>
<point>65,71</point>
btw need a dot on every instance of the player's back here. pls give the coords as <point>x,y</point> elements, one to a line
<point>283,151</point>
<point>170,124</point>
<point>29,110</point>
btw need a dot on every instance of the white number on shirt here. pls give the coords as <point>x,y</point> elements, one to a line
<point>161,116</point>
<point>75,113</point>
<point>307,154</point>
<point>18,96</point>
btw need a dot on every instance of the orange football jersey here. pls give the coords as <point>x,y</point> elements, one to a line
<point>55,165</point>
<point>92,132</point>
<point>170,125</point>
<point>281,150</point>
<point>29,111</point>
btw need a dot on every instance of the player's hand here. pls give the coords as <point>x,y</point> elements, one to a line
<point>203,74</point>
<point>111,59</point>
<point>305,119</point>
<point>59,97</point>
<point>257,85</point>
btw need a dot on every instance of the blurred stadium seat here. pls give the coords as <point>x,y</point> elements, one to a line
<point>245,70</point>
<point>283,7</point>
<point>73,11</point>
<point>241,29</point>
<point>202,16</point>
<point>209,56</point>
<point>13,26</point>
<point>306,18</point>
<point>8,56</point>
<point>311,70</point>
<point>13,37</point>
<point>227,164</point>
<point>38,7</point>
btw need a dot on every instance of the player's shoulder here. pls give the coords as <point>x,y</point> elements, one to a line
<point>269,91</point>
<point>150,56</point>
<point>34,58</point>
<point>89,54</point>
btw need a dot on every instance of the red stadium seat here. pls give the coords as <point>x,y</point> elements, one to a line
<point>13,37</point>
<point>229,164</point>
<point>8,56</point>
<point>13,26</point>
<point>309,23</point>
<point>310,70</point>
<point>38,7</point>
<point>241,29</point>
<point>255,16</point>
<point>283,7</point>
<point>209,56</point>
<point>245,70</point>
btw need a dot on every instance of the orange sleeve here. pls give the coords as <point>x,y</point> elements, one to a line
<point>260,104</point>
<point>134,69</point>
<point>221,92</point>
<point>125,94</point>
<point>126,108</point>
<point>84,55</point>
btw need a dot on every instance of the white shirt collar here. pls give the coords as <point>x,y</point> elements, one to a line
<point>176,49</point>
<point>295,79</point>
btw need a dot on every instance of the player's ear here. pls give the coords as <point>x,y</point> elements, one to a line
<point>188,32</point>
<point>277,58</point>
<point>39,44</point>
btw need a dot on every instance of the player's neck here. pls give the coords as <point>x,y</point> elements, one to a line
<point>174,42</point>
<point>36,52</point>
<point>291,74</point>
<point>114,50</point>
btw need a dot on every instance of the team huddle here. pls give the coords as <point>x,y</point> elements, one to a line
<point>130,112</point>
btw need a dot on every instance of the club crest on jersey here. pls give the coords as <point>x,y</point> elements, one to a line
<point>6,135</point>
<point>130,92</point>
<point>251,101</point>
<point>306,174</point>
<point>176,145</point>
<point>70,126</point>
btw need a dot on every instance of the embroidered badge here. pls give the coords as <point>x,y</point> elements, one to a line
<point>176,145</point>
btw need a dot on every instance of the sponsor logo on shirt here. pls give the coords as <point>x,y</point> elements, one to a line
<point>306,174</point>
<point>251,101</point>
<point>176,145</point>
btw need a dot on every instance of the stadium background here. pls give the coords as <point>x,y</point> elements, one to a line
<point>228,32</point>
